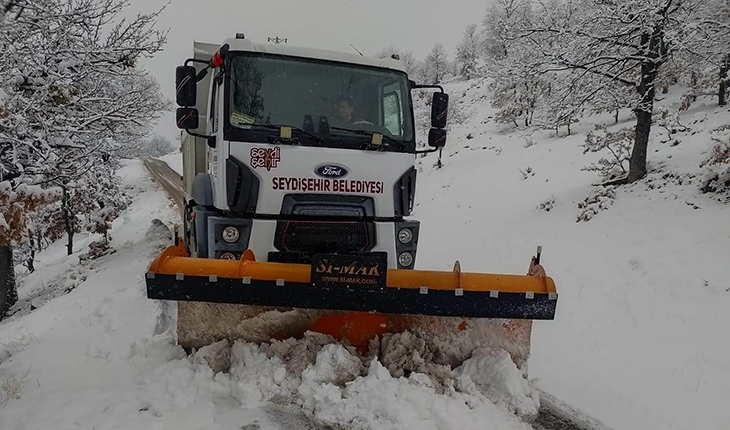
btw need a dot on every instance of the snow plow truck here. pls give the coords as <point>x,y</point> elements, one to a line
<point>300,179</point>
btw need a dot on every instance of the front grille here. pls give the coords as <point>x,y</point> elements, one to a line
<point>324,236</point>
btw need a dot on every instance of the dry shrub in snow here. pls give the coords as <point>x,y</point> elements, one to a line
<point>597,201</point>
<point>720,151</point>
<point>527,172</point>
<point>617,144</point>
<point>529,142</point>
<point>97,249</point>
<point>547,205</point>
<point>11,388</point>
<point>15,205</point>
<point>716,173</point>
<point>669,120</point>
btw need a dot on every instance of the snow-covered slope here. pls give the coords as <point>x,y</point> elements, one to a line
<point>640,337</point>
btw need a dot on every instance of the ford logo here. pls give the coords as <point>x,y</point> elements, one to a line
<point>331,171</point>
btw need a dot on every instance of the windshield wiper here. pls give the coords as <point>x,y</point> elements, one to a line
<point>297,129</point>
<point>370,133</point>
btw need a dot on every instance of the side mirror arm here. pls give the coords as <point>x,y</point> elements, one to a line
<point>415,86</point>
<point>210,140</point>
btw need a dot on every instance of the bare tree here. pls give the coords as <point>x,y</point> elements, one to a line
<point>70,94</point>
<point>518,87</point>
<point>497,26</point>
<point>79,91</point>
<point>435,65</point>
<point>467,53</point>
<point>409,60</point>
<point>388,52</point>
<point>624,42</point>
<point>154,146</point>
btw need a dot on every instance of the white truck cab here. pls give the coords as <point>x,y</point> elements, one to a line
<point>291,151</point>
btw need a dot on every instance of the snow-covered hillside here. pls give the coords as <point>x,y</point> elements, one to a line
<point>638,341</point>
<point>640,336</point>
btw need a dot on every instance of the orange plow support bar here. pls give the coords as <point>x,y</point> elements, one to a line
<point>439,301</point>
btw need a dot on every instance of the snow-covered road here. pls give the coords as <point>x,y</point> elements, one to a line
<point>101,357</point>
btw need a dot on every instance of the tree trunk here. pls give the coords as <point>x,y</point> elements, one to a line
<point>647,90</point>
<point>8,291</point>
<point>69,227</point>
<point>30,263</point>
<point>637,163</point>
<point>722,92</point>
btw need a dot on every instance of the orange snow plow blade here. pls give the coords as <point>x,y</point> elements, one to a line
<point>349,297</point>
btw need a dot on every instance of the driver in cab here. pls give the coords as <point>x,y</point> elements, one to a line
<point>347,119</point>
<point>345,110</point>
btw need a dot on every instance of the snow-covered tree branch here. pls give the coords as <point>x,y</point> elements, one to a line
<point>467,53</point>
<point>71,97</point>
<point>602,54</point>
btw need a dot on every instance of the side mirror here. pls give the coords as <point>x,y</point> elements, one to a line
<point>187,118</point>
<point>439,110</point>
<point>437,137</point>
<point>185,84</point>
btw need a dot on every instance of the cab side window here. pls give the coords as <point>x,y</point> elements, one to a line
<point>214,114</point>
<point>392,118</point>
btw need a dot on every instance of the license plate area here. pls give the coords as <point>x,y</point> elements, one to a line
<point>368,271</point>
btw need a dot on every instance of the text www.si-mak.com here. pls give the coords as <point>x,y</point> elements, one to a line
<point>348,280</point>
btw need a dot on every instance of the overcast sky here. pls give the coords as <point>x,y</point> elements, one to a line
<point>330,24</point>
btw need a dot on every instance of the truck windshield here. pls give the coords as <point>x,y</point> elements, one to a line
<point>323,98</point>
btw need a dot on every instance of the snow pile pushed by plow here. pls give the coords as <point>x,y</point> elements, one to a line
<point>334,386</point>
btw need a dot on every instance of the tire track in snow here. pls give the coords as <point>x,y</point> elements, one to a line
<point>556,415</point>
<point>169,179</point>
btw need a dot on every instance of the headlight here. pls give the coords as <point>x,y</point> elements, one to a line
<point>405,259</point>
<point>228,256</point>
<point>405,235</point>
<point>230,234</point>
